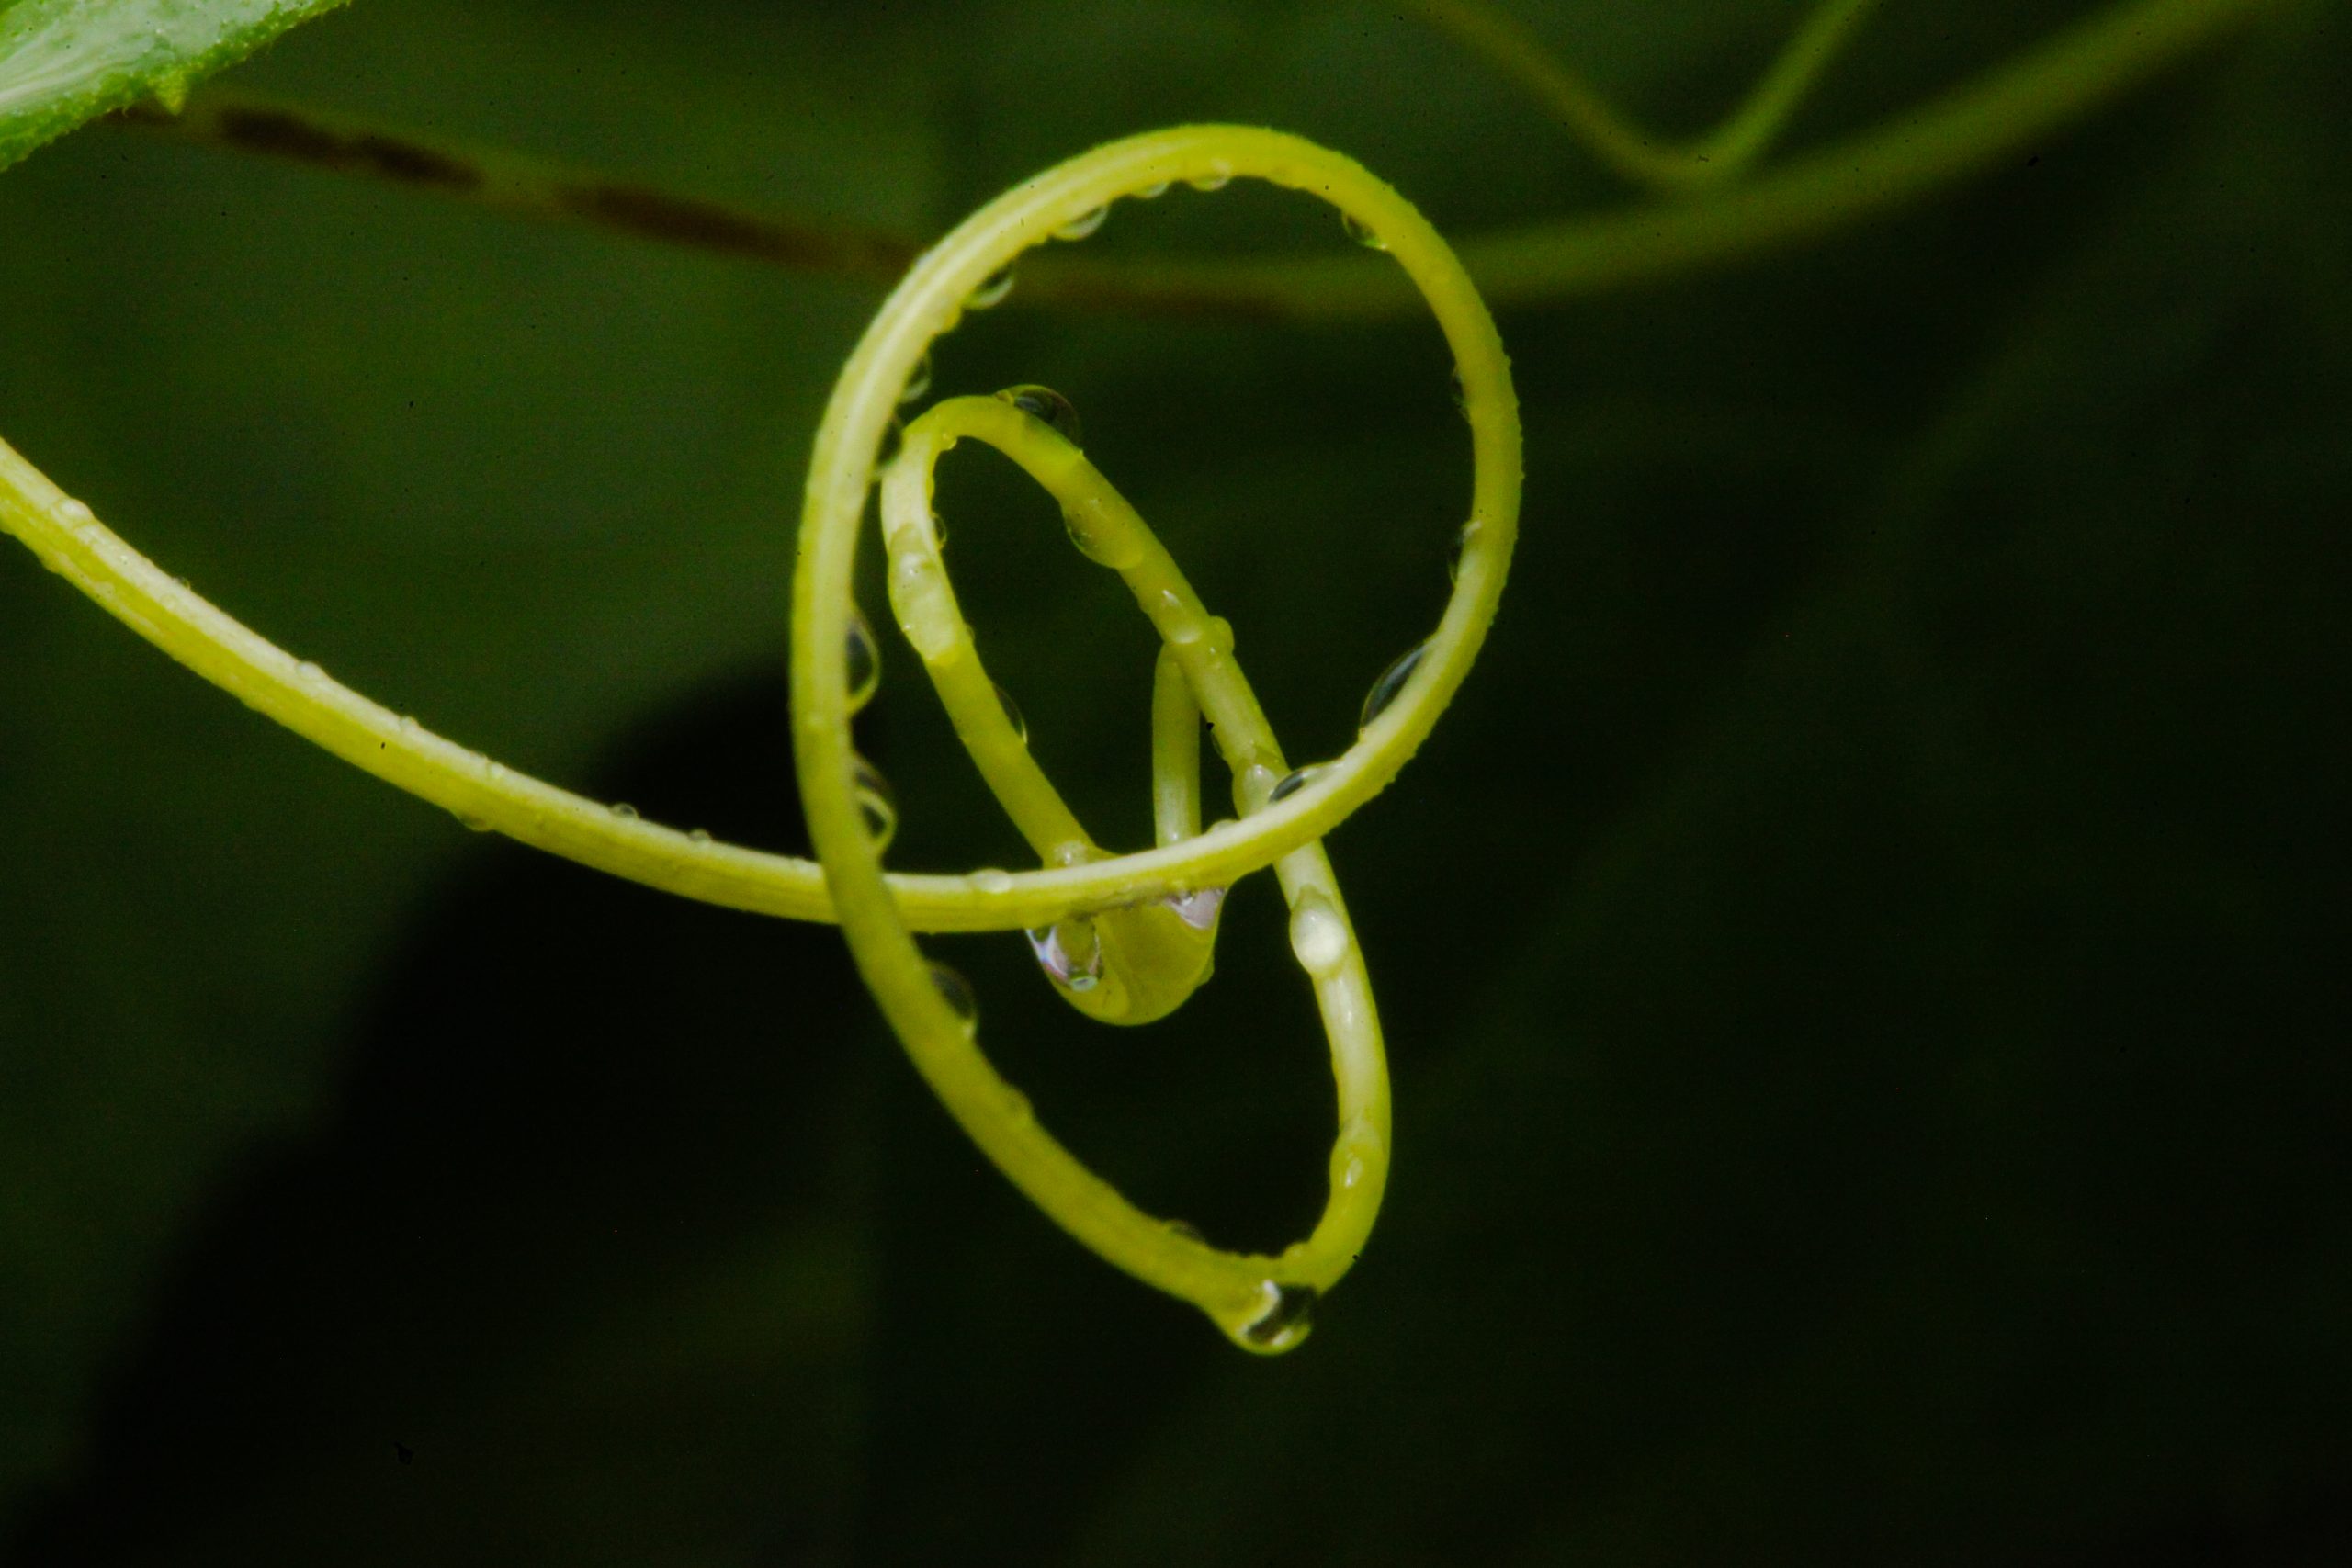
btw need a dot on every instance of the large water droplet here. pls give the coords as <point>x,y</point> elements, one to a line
<point>1318,935</point>
<point>956,992</point>
<point>992,289</point>
<point>624,810</point>
<point>1085,223</point>
<point>1044,402</point>
<point>1363,233</point>
<point>876,802</point>
<point>1068,953</point>
<point>1011,712</point>
<point>862,658</point>
<point>1392,680</point>
<point>918,382</point>
<point>1290,1312</point>
<point>1295,779</point>
<point>1198,909</point>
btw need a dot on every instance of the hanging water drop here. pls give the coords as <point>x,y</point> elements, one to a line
<point>1085,223</point>
<point>471,823</point>
<point>861,659</point>
<point>1216,176</point>
<point>1199,909</point>
<point>875,804</point>
<point>1011,712</point>
<point>1290,1312</point>
<point>918,382</point>
<point>992,289</point>
<point>1392,680</point>
<point>1293,782</point>
<point>1363,233</point>
<point>624,810</point>
<point>956,992</point>
<point>1044,402</point>
<point>1319,934</point>
<point>1152,192</point>
<point>1068,953</point>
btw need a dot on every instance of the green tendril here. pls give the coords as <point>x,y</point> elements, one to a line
<point>1126,939</point>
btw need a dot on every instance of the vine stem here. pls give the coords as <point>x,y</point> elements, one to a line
<point>1961,133</point>
<point>1637,155</point>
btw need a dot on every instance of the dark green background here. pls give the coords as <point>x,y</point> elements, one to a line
<point>1863,959</point>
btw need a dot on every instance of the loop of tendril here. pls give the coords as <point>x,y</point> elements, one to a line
<point>1126,902</point>
<point>1152,910</point>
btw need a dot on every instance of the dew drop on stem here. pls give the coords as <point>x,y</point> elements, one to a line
<point>1045,403</point>
<point>1391,681</point>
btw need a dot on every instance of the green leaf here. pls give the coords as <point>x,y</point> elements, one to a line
<point>63,63</point>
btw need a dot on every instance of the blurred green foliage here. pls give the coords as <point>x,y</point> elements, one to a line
<point>1862,959</point>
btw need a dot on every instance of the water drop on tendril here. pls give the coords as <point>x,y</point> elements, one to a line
<point>1391,681</point>
<point>1045,403</point>
<point>877,805</point>
<point>1084,224</point>
<point>992,291</point>
<point>1288,1315</point>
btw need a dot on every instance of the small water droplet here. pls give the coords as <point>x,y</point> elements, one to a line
<point>918,382</point>
<point>1293,782</point>
<point>1085,223</point>
<point>1318,935</point>
<point>1198,909</point>
<point>1044,402</point>
<point>493,771</point>
<point>992,291</point>
<point>624,810</point>
<point>698,836</point>
<point>1392,680</point>
<point>1363,233</point>
<point>1220,633</point>
<point>862,660</point>
<point>74,511</point>
<point>1290,1312</point>
<point>956,992</point>
<point>876,802</point>
<point>1068,953</point>
<point>1186,1229</point>
<point>408,725</point>
<point>1462,543</point>
<point>1351,1174</point>
<point>471,823</point>
<point>1011,712</point>
<point>989,879</point>
<point>184,582</point>
<point>1216,176</point>
<point>309,671</point>
<point>1152,192</point>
